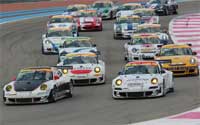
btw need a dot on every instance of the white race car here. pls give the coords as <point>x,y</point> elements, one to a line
<point>37,85</point>
<point>147,15</point>
<point>66,21</point>
<point>127,9</point>
<point>124,27</point>
<point>76,44</point>
<point>86,68</point>
<point>142,46</point>
<point>153,28</point>
<point>54,38</point>
<point>142,79</point>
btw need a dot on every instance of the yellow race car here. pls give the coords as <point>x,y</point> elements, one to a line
<point>180,59</point>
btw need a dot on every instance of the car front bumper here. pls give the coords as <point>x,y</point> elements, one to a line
<point>153,91</point>
<point>183,71</point>
<point>141,56</point>
<point>90,27</point>
<point>124,34</point>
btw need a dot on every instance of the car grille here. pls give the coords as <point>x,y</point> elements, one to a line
<point>24,100</point>
<point>180,68</point>
<point>136,94</point>
<point>84,81</point>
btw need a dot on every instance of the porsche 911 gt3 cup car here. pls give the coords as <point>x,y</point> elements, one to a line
<point>127,9</point>
<point>62,21</point>
<point>178,58</point>
<point>163,7</point>
<point>147,15</point>
<point>86,68</point>
<point>89,20</point>
<point>125,26</point>
<point>153,28</point>
<point>37,85</point>
<point>142,46</point>
<point>106,8</point>
<point>76,44</point>
<point>142,79</point>
<point>54,38</point>
<point>73,9</point>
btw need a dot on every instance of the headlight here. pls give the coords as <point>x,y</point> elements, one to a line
<point>43,87</point>
<point>65,71</point>
<point>118,82</point>
<point>97,69</point>
<point>154,81</point>
<point>47,42</point>
<point>193,61</point>
<point>134,50</point>
<point>8,88</point>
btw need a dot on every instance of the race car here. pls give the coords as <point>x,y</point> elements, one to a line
<point>178,58</point>
<point>62,21</point>
<point>106,8</point>
<point>148,15</point>
<point>163,7</point>
<point>89,20</point>
<point>142,47</point>
<point>140,79</point>
<point>37,85</point>
<point>125,26</point>
<point>73,9</point>
<point>127,9</point>
<point>86,68</point>
<point>54,38</point>
<point>153,28</point>
<point>76,44</point>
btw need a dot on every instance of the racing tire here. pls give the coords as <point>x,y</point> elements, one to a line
<point>52,95</point>
<point>101,28</point>
<point>163,90</point>
<point>175,10</point>
<point>197,73</point>
<point>43,52</point>
<point>115,37</point>
<point>166,12</point>
<point>111,15</point>
<point>71,91</point>
<point>171,90</point>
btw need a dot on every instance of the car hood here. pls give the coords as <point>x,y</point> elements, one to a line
<point>87,19</point>
<point>27,85</point>
<point>60,25</point>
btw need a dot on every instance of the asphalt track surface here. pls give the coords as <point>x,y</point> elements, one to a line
<point>20,46</point>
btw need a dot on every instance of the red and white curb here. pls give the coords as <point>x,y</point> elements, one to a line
<point>186,29</point>
<point>187,118</point>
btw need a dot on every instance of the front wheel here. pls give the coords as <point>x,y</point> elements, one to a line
<point>163,90</point>
<point>52,95</point>
<point>70,90</point>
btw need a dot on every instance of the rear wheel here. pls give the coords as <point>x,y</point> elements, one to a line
<point>70,90</point>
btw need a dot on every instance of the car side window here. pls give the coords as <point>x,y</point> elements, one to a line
<point>49,76</point>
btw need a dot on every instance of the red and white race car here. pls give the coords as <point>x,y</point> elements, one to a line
<point>89,20</point>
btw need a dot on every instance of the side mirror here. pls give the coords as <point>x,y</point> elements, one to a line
<point>157,54</point>
<point>119,73</point>
<point>14,78</point>
<point>194,53</point>
<point>56,77</point>
<point>44,36</point>
<point>94,45</point>
<point>162,71</point>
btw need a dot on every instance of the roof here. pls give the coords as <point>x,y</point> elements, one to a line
<point>78,5</point>
<point>81,39</point>
<point>126,17</point>
<point>153,63</point>
<point>81,54</point>
<point>62,16</point>
<point>131,4</point>
<point>143,9</point>
<point>149,25</point>
<point>176,46</point>
<point>59,29</point>
<point>103,1</point>
<point>88,11</point>
<point>42,68</point>
<point>145,35</point>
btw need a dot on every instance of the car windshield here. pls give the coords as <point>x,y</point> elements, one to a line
<point>175,51</point>
<point>77,44</point>
<point>149,30</point>
<point>61,20</point>
<point>139,41</point>
<point>129,20</point>
<point>87,14</point>
<point>144,13</point>
<point>59,33</point>
<point>34,75</point>
<point>154,2</point>
<point>102,5</point>
<point>141,69</point>
<point>129,7</point>
<point>80,60</point>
